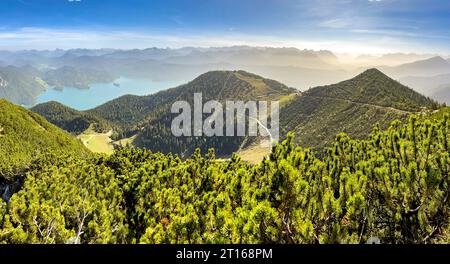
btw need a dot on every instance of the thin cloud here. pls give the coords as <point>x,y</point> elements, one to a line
<point>399,33</point>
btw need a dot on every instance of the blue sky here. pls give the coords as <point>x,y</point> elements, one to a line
<point>356,26</point>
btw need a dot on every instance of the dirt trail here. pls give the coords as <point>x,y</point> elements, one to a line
<point>364,104</point>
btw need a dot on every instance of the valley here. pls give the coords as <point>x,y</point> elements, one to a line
<point>121,159</point>
<point>268,128</point>
<point>155,109</point>
<point>301,69</point>
<point>102,142</point>
<point>354,106</point>
<point>97,142</point>
<point>123,196</point>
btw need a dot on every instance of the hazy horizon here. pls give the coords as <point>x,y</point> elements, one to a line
<point>302,44</point>
<point>356,27</point>
<point>339,54</point>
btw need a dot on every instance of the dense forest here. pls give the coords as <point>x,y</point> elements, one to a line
<point>69,119</point>
<point>352,106</point>
<point>393,185</point>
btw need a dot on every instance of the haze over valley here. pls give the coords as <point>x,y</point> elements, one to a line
<point>29,77</point>
<point>65,86</point>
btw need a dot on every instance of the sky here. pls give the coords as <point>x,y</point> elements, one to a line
<point>342,26</point>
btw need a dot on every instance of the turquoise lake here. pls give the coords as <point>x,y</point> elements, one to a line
<point>97,94</point>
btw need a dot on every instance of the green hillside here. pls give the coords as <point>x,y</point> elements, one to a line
<point>130,111</point>
<point>24,136</point>
<point>69,119</point>
<point>392,185</point>
<point>219,86</point>
<point>148,118</point>
<point>354,106</point>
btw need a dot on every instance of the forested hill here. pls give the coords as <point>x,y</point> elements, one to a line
<point>25,136</point>
<point>375,88</point>
<point>149,117</point>
<point>354,106</point>
<point>69,119</point>
<point>130,111</point>
<point>153,117</point>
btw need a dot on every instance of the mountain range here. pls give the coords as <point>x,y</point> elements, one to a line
<point>49,179</point>
<point>80,78</point>
<point>22,85</point>
<point>301,69</point>
<point>430,77</point>
<point>354,106</point>
<point>148,118</point>
<point>53,190</point>
<point>422,68</point>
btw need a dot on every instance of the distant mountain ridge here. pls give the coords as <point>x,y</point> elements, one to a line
<point>302,69</point>
<point>429,77</point>
<point>20,85</point>
<point>80,78</point>
<point>429,67</point>
<point>433,86</point>
<point>306,67</point>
